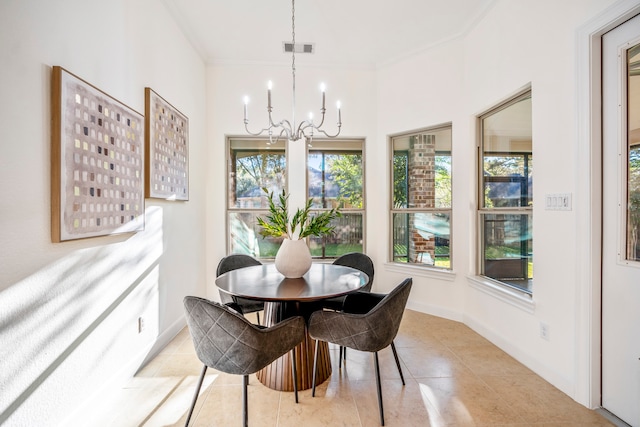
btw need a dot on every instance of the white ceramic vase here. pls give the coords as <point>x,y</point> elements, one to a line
<point>293,259</point>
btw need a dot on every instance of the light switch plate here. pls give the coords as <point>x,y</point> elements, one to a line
<point>557,202</point>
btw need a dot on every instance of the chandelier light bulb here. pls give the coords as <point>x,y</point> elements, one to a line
<point>246,102</point>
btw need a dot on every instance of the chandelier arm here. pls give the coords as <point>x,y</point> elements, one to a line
<point>286,127</point>
<point>305,124</point>
<point>328,135</point>
<point>272,141</point>
<point>260,132</point>
<point>322,111</point>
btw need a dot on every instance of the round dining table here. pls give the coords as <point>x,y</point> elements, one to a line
<point>284,298</point>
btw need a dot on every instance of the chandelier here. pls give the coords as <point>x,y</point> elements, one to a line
<point>285,128</point>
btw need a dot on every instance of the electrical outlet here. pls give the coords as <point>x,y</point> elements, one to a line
<point>544,331</point>
<point>140,324</point>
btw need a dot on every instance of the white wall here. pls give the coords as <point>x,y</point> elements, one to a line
<point>515,45</point>
<point>68,311</point>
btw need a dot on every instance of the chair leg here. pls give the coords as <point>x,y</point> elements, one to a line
<point>340,358</point>
<point>195,396</point>
<point>245,410</point>
<point>294,372</point>
<point>315,363</point>
<point>258,316</point>
<point>375,358</point>
<point>395,354</point>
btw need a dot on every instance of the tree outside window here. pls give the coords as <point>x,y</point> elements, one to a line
<point>335,180</point>
<point>252,165</point>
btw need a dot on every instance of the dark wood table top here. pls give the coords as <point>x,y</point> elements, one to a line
<point>265,283</point>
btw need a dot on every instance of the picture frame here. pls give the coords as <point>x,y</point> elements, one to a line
<point>167,149</point>
<point>97,161</point>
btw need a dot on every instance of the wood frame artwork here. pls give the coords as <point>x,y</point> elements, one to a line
<point>167,149</point>
<point>97,162</point>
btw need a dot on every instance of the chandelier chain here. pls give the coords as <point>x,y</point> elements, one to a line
<point>293,56</point>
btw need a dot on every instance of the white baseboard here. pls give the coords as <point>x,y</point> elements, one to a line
<point>435,310</point>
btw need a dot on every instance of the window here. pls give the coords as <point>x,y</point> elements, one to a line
<point>421,198</point>
<point>252,165</point>
<point>505,194</point>
<point>633,164</point>
<point>336,179</point>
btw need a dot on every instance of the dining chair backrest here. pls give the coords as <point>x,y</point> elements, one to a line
<point>360,262</point>
<point>235,261</point>
<point>371,331</point>
<point>226,341</point>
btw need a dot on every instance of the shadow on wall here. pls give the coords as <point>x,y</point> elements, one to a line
<point>74,323</point>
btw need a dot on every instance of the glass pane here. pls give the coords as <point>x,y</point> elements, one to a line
<point>633,186</point>
<point>422,170</point>
<point>507,162</point>
<point>347,237</point>
<point>422,238</point>
<point>507,252</point>
<point>245,238</point>
<point>255,165</point>
<point>335,179</point>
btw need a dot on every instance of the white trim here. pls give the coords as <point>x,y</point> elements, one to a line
<point>435,310</point>
<point>588,198</point>
<point>526,358</point>
<point>165,338</point>
<point>518,299</point>
<point>110,389</point>
<point>420,271</point>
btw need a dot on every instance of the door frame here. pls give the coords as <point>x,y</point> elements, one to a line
<point>588,201</point>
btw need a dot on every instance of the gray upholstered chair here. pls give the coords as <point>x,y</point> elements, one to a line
<point>226,341</point>
<point>360,262</point>
<point>372,326</point>
<point>355,260</point>
<point>233,262</point>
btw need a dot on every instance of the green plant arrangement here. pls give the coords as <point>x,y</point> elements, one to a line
<point>277,224</point>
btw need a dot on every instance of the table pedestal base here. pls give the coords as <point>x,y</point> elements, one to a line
<point>278,375</point>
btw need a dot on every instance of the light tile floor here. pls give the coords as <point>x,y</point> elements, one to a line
<point>455,378</point>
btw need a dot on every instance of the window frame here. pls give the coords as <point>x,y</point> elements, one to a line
<point>318,144</point>
<point>408,210</point>
<point>483,210</point>
<point>229,186</point>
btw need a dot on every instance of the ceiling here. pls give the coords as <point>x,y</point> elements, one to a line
<point>345,32</point>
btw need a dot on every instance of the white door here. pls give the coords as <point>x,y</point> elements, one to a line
<point>621,222</point>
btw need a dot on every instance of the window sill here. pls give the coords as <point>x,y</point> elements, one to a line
<point>432,273</point>
<point>521,300</point>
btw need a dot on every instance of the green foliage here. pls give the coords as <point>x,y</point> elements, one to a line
<point>400,186</point>
<point>347,172</point>
<point>259,170</point>
<point>277,224</point>
<point>443,181</point>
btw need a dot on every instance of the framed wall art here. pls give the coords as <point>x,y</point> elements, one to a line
<point>97,162</point>
<point>167,149</point>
